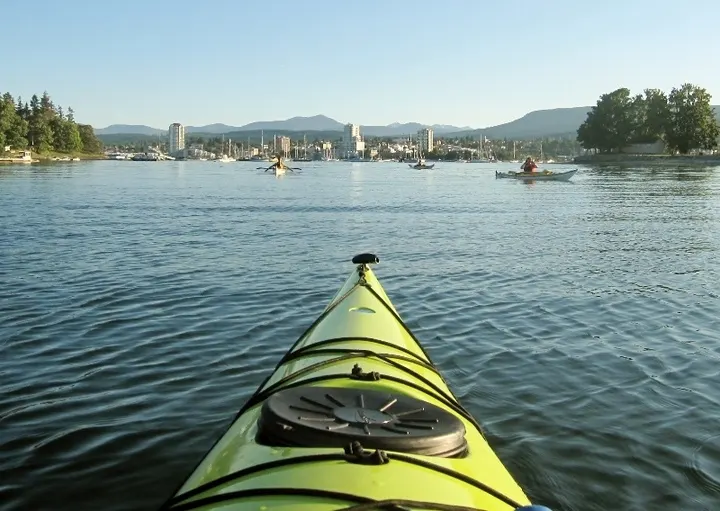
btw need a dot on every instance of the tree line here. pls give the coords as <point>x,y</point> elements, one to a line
<point>683,119</point>
<point>43,127</point>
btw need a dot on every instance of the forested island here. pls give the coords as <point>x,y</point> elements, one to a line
<point>679,123</point>
<point>44,128</point>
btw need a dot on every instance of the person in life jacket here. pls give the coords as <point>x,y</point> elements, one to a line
<point>529,165</point>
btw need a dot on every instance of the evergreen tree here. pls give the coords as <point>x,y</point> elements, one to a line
<point>43,126</point>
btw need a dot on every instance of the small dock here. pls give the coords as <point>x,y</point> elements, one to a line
<point>22,157</point>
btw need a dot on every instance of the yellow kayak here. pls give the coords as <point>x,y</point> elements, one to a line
<point>354,417</point>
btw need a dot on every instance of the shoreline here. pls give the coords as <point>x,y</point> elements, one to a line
<point>54,157</point>
<point>654,159</point>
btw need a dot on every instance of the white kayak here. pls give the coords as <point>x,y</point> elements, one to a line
<point>543,175</point>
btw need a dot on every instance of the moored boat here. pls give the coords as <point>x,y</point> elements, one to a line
<point>354,416</point>
<point>545,175</point>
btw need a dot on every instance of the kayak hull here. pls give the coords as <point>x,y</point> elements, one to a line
<point>337,423</point>
<point>537,176</point>
<point>421,167</point>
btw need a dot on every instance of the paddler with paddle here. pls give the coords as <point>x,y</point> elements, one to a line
<point>278,165</point>
<point>529,165</point>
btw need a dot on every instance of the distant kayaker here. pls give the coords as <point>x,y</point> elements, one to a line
<point>278,164</point>
<point>529,165</point>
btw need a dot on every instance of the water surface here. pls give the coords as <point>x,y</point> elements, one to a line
<point>142,303</point>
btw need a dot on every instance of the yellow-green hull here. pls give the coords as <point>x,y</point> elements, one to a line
<point>359,331</point>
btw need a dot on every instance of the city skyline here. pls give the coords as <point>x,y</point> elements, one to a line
<point>482,65</point>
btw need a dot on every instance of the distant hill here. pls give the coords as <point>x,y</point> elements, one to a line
<point>210,128</point>
<point>536,124</point>
<point>540,123</point>
<point>314,123</point>
<point>136,129</point>
<point>317,123</point>
<point>113,139</point>
<point>410,128</point>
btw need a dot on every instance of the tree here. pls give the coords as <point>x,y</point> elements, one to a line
<point>13,128</point>
<point>72,140</point>
<point>692,123</point>
<point>46,105</point>
<point>46,126</point>
<point>66,137</point>
<point>652,116</point>
<point>4,123</point>
<point>39,130</point>
<point>611,124</point>
<point>90,142</point>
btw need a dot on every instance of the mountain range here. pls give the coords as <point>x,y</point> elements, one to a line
<point>314,123</point>
<point>539,123</point>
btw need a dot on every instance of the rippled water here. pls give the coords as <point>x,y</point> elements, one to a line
<point>142,303</point>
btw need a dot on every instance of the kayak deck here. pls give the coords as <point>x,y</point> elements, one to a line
<point>354,414</point>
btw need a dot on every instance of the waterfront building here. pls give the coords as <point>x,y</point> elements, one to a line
<point>425,140</point>
<point>176,142</point>
<point>353,144</point>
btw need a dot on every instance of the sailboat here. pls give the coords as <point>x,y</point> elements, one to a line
<point>305,157</point>
<point>514,160</point>
<point>480,153</point>
<point>225,158</point>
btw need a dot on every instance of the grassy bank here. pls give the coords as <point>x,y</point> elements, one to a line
<point>652,159</point>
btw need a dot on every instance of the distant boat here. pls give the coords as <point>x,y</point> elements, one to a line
<point>145,157</point>
<point>118,156</point>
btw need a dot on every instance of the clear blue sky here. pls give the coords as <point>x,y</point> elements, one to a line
<point>461,62</point>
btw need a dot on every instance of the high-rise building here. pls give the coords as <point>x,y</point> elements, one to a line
<point>425,140</point>
<point>353,144</point>
<point>176,135</point>
<point>282,144</point>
